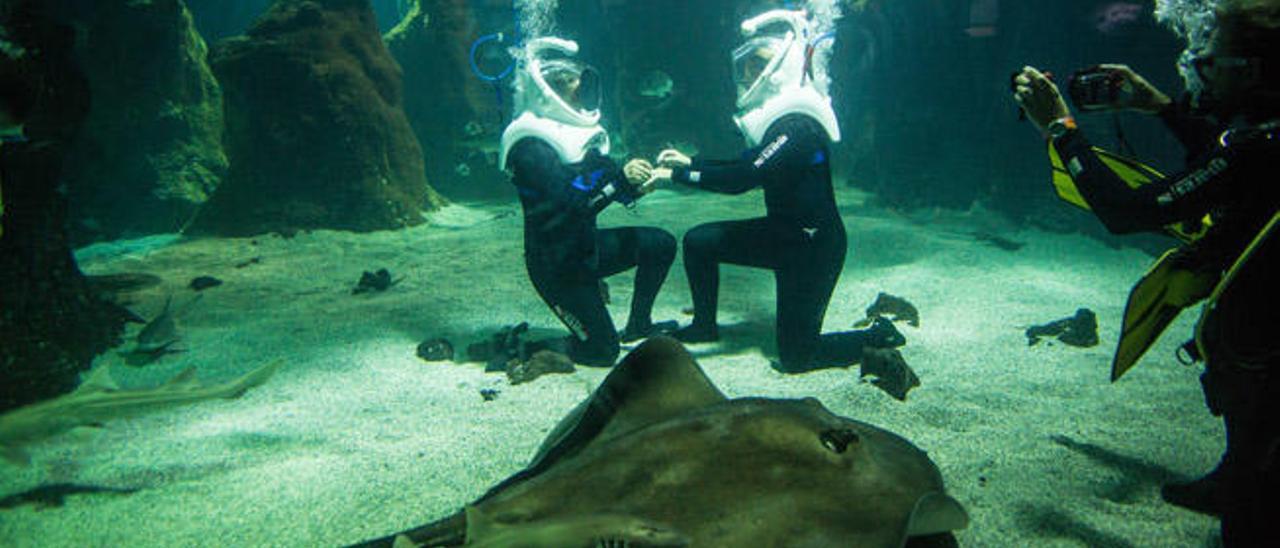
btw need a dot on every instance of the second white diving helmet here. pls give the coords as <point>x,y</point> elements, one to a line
<point>557,101</point>
<point>776,75</point>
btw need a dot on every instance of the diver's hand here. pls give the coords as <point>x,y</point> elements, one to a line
<point>673,158</point>
<point>1039,98</point>
<point>1144,96</point>
<point>638,171</point>
<point>661,177</point>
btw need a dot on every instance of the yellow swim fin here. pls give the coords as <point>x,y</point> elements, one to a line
<point>1171,285</point>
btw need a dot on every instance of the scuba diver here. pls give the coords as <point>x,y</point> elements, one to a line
<point>1226,208</point>
<point>556,151</point>
<point>786,116</point>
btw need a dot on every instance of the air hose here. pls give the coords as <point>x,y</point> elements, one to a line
<point>809,50</point>
<point>496,79</point>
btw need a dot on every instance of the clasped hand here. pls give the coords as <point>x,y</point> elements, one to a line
<point>643,176</point>
<point>647,177</point>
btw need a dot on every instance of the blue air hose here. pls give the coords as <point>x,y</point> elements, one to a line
<point>829,35</point>
<point>475,47</point>
<point>496,79</point>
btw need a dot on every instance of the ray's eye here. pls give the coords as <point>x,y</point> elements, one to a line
<point>839,440</point>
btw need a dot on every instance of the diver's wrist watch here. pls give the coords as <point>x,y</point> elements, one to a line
<point>1060,127</point>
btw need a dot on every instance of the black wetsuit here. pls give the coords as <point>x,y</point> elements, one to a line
<point>567,256</point>
<point>1235,183</point>
<point>801,239</point>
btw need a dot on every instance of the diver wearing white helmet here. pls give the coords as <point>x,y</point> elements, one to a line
<point>786,116</point>
<point>556,150</point>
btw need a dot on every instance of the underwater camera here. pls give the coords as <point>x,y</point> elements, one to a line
<point>1097,88</point>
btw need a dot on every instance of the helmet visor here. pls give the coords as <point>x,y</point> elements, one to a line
<point>576,84</point>
<point>751,59</point>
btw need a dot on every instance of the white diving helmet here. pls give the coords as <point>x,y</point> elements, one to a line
<point>558,101</point>
<point>775,75</point>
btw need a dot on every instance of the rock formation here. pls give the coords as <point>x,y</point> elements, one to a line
<point>151,151</point>
<point>315,129</point>
<point>52,323</point>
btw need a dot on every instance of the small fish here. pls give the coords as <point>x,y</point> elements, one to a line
<point>55,495</point>
<point>889,370</point>
<point>435,350</point>
<point>655,84</point>
<point>892,307</point>
<point>157,336</point>
<point>375,282</point>
<point>1080,330</point>
<point>201,283</point>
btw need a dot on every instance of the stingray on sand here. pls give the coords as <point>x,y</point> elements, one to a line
<point>658,456</point>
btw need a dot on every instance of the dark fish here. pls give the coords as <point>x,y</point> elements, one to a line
<point>375,282</point>
<point>160,332</point>
<point>890,371</point>
<point>436,350</point>
<point>157,337</point>
<point>201,283</point>
<point>540,363</point>
<point>1079,330</point>
<point>55,495</point>
<point>891,307</point>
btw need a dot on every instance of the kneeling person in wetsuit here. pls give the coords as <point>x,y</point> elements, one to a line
<point>788,121</point>
<point>556,152</point>
<point>1231,261</point>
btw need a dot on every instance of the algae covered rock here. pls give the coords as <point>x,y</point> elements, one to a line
<point>315,129</point>
<point>150,151</point>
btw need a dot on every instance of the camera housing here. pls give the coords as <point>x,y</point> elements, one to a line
<point>1097,88</point>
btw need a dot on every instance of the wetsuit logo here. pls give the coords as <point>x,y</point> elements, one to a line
<point>770,150</point>
<point>1194,181</point>
<point>572,322</point>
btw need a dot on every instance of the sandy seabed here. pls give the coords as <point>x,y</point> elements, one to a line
<point>356,437</point>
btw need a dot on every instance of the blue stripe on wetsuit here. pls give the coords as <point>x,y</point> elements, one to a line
<point>581,184</point>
